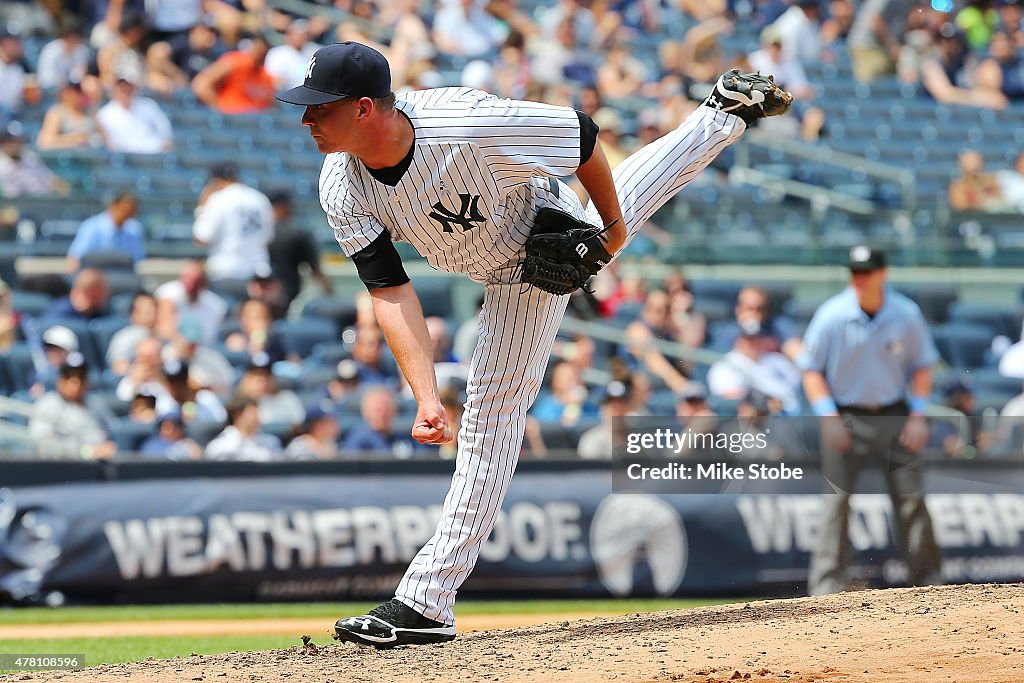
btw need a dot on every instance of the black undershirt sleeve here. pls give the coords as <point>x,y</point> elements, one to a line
<point>379,264</point>
<point>588,136</point>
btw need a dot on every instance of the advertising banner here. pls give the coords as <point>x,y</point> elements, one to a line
<point>560,533</point>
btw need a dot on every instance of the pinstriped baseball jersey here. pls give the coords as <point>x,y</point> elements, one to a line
<point>463,203</point>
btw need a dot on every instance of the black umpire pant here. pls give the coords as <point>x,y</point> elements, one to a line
<point>874,441</point>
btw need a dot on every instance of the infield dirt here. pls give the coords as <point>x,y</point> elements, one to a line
<point>964,634</point>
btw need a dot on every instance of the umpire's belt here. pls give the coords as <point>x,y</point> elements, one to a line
<point>897,408</point>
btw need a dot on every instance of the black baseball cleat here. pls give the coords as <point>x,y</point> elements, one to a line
<point>390,625</point>
<point>748,96</point>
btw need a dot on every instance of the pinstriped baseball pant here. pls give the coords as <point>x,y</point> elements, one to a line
<point>517,330</point>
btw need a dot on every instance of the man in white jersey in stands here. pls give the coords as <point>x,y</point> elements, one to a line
<point>460,174</point>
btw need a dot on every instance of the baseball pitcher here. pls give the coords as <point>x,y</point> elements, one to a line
<point>469,180</point>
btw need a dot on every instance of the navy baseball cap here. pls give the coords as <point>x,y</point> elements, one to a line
<point>342,70</point>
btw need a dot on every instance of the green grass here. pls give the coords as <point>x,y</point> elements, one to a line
<point>136,649</point>
<point>78,615</point>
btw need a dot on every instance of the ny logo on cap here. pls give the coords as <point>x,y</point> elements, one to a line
<point>312,63</point>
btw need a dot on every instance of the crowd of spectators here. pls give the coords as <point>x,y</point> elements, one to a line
<point>200,365</point>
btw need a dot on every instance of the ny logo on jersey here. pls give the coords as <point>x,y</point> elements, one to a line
<point>468,214</point>
<point>715,102</point>
<point>309,71</point>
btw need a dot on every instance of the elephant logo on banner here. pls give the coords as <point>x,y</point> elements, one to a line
<point>29,548</point>
<point>629,528</point>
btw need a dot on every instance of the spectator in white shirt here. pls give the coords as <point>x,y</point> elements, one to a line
<point>236,222</point>
<point>64,60</point>
<point>134,124</point>
<point>790,75</point>
<point>799,28</point>
<point>748,366</point>
<point>1011,184</point>
<point>287,63</point>
<point>463,27</point>
<point>168,19</point>
<point>193,301</point>
<point>244,439</point>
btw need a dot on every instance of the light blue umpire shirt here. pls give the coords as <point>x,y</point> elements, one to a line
<point>99,233</point>
<point>867,361</point>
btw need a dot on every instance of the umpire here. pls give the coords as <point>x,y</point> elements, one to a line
<point>861,350</point>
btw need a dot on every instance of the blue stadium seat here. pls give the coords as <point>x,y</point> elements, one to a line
<point>713,310</point>
<point>314,377</point>
<point>104,329</point>
<point>203,432</point>
<point>303,334</point>
<point>282,430</point>
<point>933,299</point>
<point>435,295</point>
<point>124,282</point>
<point>107,260</point>
<point>129,434</point>
<point>988,380</point>
<point>716,289</point>
<point>30,304</point>
<point>16,367</point>
<point>999,320</point>
<point>327,354</point>
<point>232,291</point>
<point>963,346</point>
<point>337,309</point>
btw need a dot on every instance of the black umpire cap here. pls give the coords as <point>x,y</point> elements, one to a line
<point>864,259</point>
<point>342,70</point>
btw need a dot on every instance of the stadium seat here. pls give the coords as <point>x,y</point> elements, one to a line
<point>109,399</point>
<point>316,377</point>
<point>933,299</point>
<point>104,329</point>
<point>963,346</point>
<point>327,354</point>
<point>716,289</point>
<point>30,304</point>
<point>802,311</point>
<point>556,437</point>
<point>282,430</point>
<point>16,368</point>
<point>203,432</point>
<point>713,310</point>
<point>232,291</point>
<point>123,282</point>
<point>302,334</point>
<point>435,295</point>
<point>129,434</point>
<point>341,311</point>
<point>8,273</point>
<point>1000,320</point>
<point>107,260</point>
<point>988,380</point>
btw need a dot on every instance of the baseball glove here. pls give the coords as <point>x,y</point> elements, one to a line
<point>562,253</point>
<point>749,96</point>
<point>776,100</point>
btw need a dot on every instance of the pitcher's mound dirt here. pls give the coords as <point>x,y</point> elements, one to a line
<point>964,634</point>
